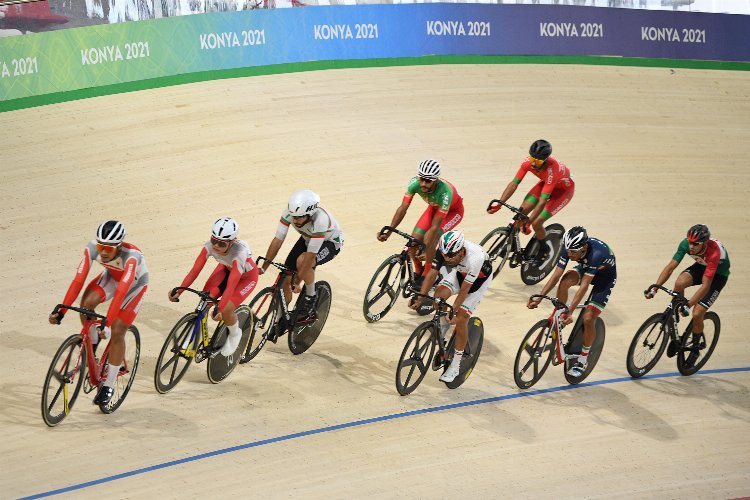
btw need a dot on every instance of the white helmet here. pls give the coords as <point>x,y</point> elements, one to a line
<point>225,229</point>
<point>451,242</point>
<point>429,169</point>
<point>111,232</point>
<point>303,203</point>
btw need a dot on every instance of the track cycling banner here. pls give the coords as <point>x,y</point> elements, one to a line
<point>79,58</point>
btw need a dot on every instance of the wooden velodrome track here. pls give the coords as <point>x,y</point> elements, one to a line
<point>653,151</point>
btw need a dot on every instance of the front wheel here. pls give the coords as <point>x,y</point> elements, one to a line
<point>220,366</point>
<point>383,289</point>
<point>129,367</point>
<point>696,351</point>
<point>647,346</point>
<point>63,381</point>
<point>263,319</point>
<point>303,336</point>
<point>416,358</point>
<point>177,353</point>
<point>497,246</point>
<point>534,355</point>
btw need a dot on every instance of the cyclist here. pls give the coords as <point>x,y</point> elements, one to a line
<point>445,209</point>
<point>553,191</point>
<point>124,281</point>
<point>710,271</point>
<point>596,266</point>
<point>466,271</point>
<point>232,280</point>
<point>320,241</point>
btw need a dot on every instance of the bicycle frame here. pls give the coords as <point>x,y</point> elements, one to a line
<point>513,235</point>
<point>556,327</point>
<point>277,296</point>
<point>200,330</point>
<point>671,315</point>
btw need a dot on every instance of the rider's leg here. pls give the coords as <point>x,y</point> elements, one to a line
<point>589,328</point>
<point>92,297</point>
<point>569,279</point>
<point>306,271</point>
<point>684,280</point>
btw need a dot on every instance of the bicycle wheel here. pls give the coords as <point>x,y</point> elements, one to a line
<point>471,352</point>
<point>64,379</point>
<point>176,353</point>
<point>576,338</point>
<point>647,346</point>
<point>129,367</point>
<point>534,355</point>
<point>303,336</point>
<point>220,366</point>
<point>416,358</point>
<point>496,244</point>
<point>534,271</point>
<point>383,289</point>
<point>694,354</point>
<point>263,318</point>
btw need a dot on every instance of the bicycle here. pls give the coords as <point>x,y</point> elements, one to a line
<point>394,276</point>
<point>70,361</point>
<point>273,318</point>
<point>188,340</point>
<point>504,243</point>
<point>543,345</point>
<point>650,340</point>
<point>419,352</point>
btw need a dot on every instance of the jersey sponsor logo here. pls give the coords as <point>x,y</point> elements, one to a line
<point>322,254</point>
<point>453,222</point>
<point>248,288</point>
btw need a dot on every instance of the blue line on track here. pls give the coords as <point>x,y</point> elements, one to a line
<point>366,421</point>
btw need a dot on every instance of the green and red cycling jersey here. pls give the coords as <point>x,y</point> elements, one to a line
<point>714,257</point>
<point>444,198</point>
<point>555,176</point>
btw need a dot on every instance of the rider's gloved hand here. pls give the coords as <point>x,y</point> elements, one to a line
<point>494,208</point>
<point>56,318</point>
<point>533,302</point>
<point>649,294</point>
<point>526,228</point>
<point>684,310</point>
<point>174,297</point>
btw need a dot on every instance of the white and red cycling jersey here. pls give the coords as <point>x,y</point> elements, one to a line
<point>124,280</point>
<point>237,262</point>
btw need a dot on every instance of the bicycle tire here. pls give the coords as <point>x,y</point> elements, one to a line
<point>652,338</point>
<point>385,286</point>
<point>496,244</point>
<point>67,369</point>
<point>179,336</point>
<point>127,372</point>
<point>532,274</point>
<point>263,319</point>
<point>417,357</point>
<point>219,366</point>
<point>683,355</point>
<point>473,349</point>
<point>539,346</point>
<point>302,337</point>
<point>594,353</point>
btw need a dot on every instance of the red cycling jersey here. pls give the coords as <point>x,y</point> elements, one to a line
<point>555,175</point>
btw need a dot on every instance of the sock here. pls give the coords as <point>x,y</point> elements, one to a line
<point>112,375</point>
<point>310,289</point>
<point>234,329</point>
<point>585,353</point>
<point>457,357</point>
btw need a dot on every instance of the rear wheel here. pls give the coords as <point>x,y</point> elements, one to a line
<point>471,352</point>
<point>176,353</point>
<point>534,355</point>
<point>129,367</point>
<point>416,358</point>
<point>595,352</point>
<point>695,352</point>
<point>263,318</point>
<point>497,246</point>
<point>302,336</point>
<point>647,346</point>
<point>220,366</point>
<point>536,269</point>
<point>64,379</point>
<point>384,288</point>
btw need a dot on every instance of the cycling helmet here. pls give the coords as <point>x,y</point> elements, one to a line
<point>451,242</point>
<point>303,203</point>
<point>575,238</point>
<point>111,232</point>
<point>699,233</point>
<point>429,169</point>
<point>540,149</point>
<point>225,229</point>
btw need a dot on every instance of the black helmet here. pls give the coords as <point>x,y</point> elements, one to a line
<point>540,149</point>
<point>575,238</point>
<point>699,233</point>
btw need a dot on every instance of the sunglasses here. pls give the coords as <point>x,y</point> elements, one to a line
<point>450,255</point>
<point>101,247</point>
<point>536,162</point>
<point>219,243</point>
<point>426,180</point>
<point>694,243</point>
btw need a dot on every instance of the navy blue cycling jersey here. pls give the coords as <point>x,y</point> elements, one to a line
<point>599,259</point>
